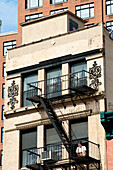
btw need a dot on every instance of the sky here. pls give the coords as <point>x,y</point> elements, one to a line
<point>9,15</point>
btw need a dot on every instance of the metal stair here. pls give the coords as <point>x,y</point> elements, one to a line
<point>56,123</point>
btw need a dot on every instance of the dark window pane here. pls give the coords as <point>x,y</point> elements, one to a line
<point>72,25</point>
<point>80,130</point>
<point>2,135</point>
<point>54,83</point>
<point>28,79</point>
<point>1,157</point>
<point>3,91</point>
<point>2,112</point>
<point>52,136</point>
<point>29,143</point>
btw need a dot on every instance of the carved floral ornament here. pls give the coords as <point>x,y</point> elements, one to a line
<point>94,75</point>
<point>12,93</point>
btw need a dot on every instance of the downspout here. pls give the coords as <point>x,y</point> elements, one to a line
<point>102,12</point>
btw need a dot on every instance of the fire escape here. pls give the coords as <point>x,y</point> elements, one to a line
<point>77,87</point>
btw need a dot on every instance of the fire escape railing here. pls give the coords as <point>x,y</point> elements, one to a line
<point>43,155</point>
<point>55,87</point>
<point>73,83</point>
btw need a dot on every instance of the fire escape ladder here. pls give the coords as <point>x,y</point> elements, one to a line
<point>56,123</point>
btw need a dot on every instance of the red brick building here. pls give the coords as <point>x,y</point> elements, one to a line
<point>93,11</point>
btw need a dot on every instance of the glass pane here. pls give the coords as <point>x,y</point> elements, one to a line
<point>2,112</point>
<point>52,136</point>
<point>85,13</point>
<point>108,23</point>
<point>40,3</point>
<point>92,5</point>
<point>92,12</point>
<point>79,130</point>
<point>111,9</point>
<point>33,3</point>
<point>28,79</point>
<point>77,7</point>
<point>107,2</point>
<point>84,6</point>
<point>29,140</point>
<point>54,83</point>
<point>78,13</point>
<point>108,10</point>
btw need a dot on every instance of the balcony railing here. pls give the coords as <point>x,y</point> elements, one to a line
<point>59,86</point>
<point>53,153</point>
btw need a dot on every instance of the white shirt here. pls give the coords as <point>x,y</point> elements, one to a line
<point>81,149</point>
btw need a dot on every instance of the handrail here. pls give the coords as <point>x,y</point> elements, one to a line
<point>58,77</point>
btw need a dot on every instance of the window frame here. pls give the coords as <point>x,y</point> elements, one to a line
<point>25,90</point>
<point>58,10</point>
<point>3,91</point>
<point>111,25</point>
<point>13,44</point>
<point>1,162</point>
<point>81,9</point>
<point>4,69</point>
<point>24,132</point>
<point>27,20</point>
<point>2,116</point>
<point>52,2</point>
<point>2,135</point>
<point>28,4</point>
<point>109,5</point>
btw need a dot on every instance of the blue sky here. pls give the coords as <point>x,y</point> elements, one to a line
<point>9,15</point>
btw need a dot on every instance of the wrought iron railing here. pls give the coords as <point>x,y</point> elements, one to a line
<point>55,87</point>
<point>38,155</point>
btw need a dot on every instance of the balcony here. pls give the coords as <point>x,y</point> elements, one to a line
<point>73,84</point>
<point>55,155</point>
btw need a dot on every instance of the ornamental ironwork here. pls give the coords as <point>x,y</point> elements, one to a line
<point>94,74</point>
<point>12,93</point>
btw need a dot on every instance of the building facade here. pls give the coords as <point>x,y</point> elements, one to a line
<point>58,82</point>
<point>92,12</point>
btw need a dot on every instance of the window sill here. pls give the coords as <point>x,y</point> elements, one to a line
<point>109,14</point>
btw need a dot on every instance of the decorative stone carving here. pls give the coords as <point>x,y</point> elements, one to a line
<point>12,93</point>
<point>94,74</point>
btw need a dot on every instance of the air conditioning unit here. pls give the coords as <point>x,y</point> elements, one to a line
<point>49,155</point>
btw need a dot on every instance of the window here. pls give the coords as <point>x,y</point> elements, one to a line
<point>109,7</point>
<point>28,143</point>
<point>1,157</point>
<point>109,25</point>
<point>3,91</point>
<point>57,1</point>
<point>2,112</point>
<point>53,142</point>
<point>79,133</point>
<point>54,83</point>
<point>2,135</point>
<point>85,11</point>
<point>29,78</point>
<point>4,69</point>
<point>79,74</point>
<point>7,45</point>
<point>58,10</point>
<point>32,17</point>
<point>79,130</point>
<point>33,4</point>
<point>72,25</point>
